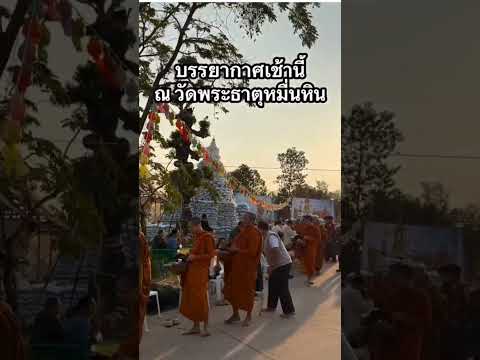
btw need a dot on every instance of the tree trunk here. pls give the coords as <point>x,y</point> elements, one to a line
<point>9,275</point>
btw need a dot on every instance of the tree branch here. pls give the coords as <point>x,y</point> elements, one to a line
<point>7,38</point>
<point>156,28</point>
<point>169,64</point>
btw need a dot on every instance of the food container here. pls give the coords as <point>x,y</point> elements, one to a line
<point>177,267</point>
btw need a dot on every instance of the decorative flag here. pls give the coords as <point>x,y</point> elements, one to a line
<point>143,171</point>
<point>95,49</point>
<point>163,108</point>
<point>17,108</point>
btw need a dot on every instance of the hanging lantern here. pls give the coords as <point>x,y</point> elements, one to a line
<point>163,108</point>
<point>184,136</point>
<point>27,53</point>
<point>148,137</point>
<point>153,117</point>
<point>25,79</point>
<point>65,9</point>
<point>95,48</point>
<point>106,67</point>
<point>151,125</point>
<point>17,108</point>
<point>143,171</point>
<point>32,30</point>
<point>143,159</point>
<point>10,132</point>
<point>52,11</point>
<point>178,124</point>
<point>146,150</point>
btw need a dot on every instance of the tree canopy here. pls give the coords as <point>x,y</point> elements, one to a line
<point>293,163</point>
<point>250,178</point>
<point>368,139</point>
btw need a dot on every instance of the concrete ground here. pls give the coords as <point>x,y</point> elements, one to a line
<point>314,333</point>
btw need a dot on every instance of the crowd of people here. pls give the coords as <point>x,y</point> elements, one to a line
<point>251,246</point>
<point>410,312</point>
<point>310,240</point>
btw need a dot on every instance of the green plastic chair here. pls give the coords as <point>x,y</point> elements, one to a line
<point>159,259</point>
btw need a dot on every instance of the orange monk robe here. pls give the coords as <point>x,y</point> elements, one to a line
<point>322,245</point>
<point>416,308</point>
<point>131,345</point>
<point>239,290</point>
<point>10,333</point>
<point>311,236</point>
<point>194,304</point>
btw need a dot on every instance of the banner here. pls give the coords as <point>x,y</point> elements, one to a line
<point>303,206</point>
<point>431,246</point>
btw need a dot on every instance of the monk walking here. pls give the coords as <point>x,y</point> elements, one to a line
<point>410,314</point>
<point>311,236</point>
<point>130,348</point>
<point>246,250</point>
<point>194,304</point>
<point>321,245</point>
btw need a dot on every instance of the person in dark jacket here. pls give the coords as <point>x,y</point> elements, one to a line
<point>159,241</point>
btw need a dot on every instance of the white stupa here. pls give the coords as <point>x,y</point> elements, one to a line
<point>221,212</point>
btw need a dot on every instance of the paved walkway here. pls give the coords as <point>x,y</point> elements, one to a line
<point>314,333</point>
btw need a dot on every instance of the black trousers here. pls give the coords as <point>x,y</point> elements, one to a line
<point>259,282</point>
<point>278,289</point>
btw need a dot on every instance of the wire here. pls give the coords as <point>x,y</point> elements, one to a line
<point>278,168</point>
<point>438,156</point>
<point>275,168</point>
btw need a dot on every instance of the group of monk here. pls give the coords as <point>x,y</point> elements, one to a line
<point>240,273</point>
<point>414,316</point>
<point>311,246</point>
<point>241,269</point>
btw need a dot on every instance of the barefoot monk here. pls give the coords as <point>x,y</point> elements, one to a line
<point>311,237</point>
<point>194,304</point>
<point>246,250</point>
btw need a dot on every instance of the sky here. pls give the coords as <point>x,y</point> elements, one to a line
<point>255,136</point>
<point>420,60</point>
